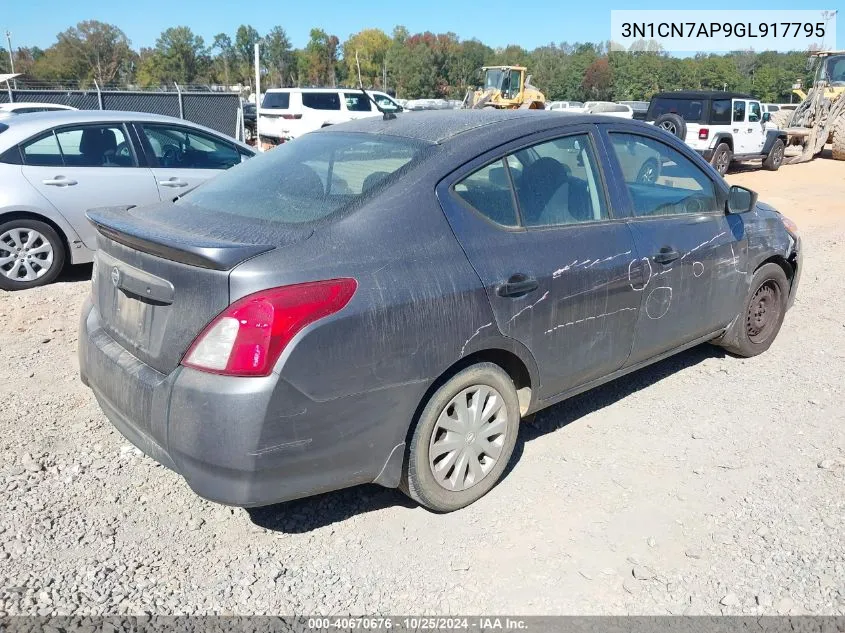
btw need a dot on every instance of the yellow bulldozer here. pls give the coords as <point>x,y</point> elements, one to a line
<point>820,117</point>
<point>505,88</point>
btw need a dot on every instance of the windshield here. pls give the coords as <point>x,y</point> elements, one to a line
<point>836,69</point>
<point>493,78</point>
<point>308,179</point>
<point>691,110</point>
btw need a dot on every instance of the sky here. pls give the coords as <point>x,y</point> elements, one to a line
<point>495,22</point>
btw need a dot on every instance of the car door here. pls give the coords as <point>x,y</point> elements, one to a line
<point>755,128</point>
<point>691,256</point>
<point>535,223</point>
<point>79,167</point>
<point>740,126</point>
<point>183,157</point>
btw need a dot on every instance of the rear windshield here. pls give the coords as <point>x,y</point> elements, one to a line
<point>691,110</point>
<point>276,100</point>
<point>308,179</point>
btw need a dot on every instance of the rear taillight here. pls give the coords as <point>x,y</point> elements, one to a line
<point>248,337</point>
<point>703,134</point>
<point>291,116</point>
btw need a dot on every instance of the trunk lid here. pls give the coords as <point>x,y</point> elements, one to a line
<point>160,276</point>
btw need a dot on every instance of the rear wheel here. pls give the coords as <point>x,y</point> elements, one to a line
<point>31,254</point>
<point>756,326</point>
<point>839,137</point>
<point>463,440</point>
<point>722,158</point>
<point>774,160</point>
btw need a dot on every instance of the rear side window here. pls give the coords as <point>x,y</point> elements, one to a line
<point>321,100</point>
<point>691,110</point>
<point>276,100</point>
<point>488,191</point>
<point>43,151</point>
<point>310,178</point>
<point>94,146</point>
<point>720,112</point>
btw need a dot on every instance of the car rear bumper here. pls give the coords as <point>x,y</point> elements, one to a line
<point>245,441</point>
<point>796,258</point>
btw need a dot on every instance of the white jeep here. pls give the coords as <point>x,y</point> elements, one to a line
<point>721,126</point>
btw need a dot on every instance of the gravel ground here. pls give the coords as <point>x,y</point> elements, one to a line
<point>704,484</point>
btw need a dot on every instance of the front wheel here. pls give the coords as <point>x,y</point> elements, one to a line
<point>463,440</point>
<point>31,254</point>
<point>774,160</point>
<point>754,329</point>
<point>722,158</point>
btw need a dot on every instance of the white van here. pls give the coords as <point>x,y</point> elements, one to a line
<point>287,113</point>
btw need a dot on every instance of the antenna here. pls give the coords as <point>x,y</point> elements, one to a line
<point>387,116</point>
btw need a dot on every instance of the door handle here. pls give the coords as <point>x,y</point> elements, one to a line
<point>59,181</point>
<point>736,129</point>
<point>173,182</point>
<point>517,285</point>
<point>666,255</point>
<point>751,129</point>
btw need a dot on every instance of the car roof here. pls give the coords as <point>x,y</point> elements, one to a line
<point>438,126</point>
<point>381,92</point>
<point>701,94</point>
<point>25,126</point>
<point>33,104</point>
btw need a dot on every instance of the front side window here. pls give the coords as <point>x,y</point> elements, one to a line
<point>357,102</point>
<point>661,180</point>
<point>321,100</point>
<point>387,104</point>
<point>177,147</point>
<point>739,111</point>
<point>754,112</point>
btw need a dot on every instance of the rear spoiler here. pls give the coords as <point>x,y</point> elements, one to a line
<point>176,245</point>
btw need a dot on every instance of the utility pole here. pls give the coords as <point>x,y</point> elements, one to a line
<point>258,145</point>
<point>11,56</point>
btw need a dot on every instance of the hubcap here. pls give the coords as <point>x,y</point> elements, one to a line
<point>468,438</point>
<point>25,254</point>
<point>763,312</point>
<point>669,127</point>
<point>722,162</point>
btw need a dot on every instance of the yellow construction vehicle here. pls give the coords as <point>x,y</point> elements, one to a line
<point>505,88</point>
<point>820,117</point>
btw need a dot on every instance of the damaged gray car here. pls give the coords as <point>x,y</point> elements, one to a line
<point>384,300</point>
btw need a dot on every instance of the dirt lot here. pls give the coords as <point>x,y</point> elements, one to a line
<point>704,484</point>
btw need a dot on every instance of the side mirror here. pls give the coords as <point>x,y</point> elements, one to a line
<point>741,200</point>
<point>767,117</point>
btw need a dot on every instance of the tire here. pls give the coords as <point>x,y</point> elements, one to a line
<point>752,333</point>
<point>721,159</point>
<point>781,118</point>
<point>673,124</point>
<point>649,172</point>
<point>46,256</point>
<point>482,382</point>
<point>838,151</point>
<point>774,160</point>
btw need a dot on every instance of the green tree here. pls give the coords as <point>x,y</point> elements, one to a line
<point>371,46</point>
<point>320,57</point>
<point>278,57</point>
<point>90,51</point>
<point>179,56</point>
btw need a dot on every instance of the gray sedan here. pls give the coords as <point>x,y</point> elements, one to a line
<point>384,300</point>
<point>56,165</point>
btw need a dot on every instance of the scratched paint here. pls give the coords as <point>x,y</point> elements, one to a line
<point>529,307</point>
<point>476,333</point>
<point>590,318</point>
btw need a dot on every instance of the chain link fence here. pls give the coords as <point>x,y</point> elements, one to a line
<point>220,111</point>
